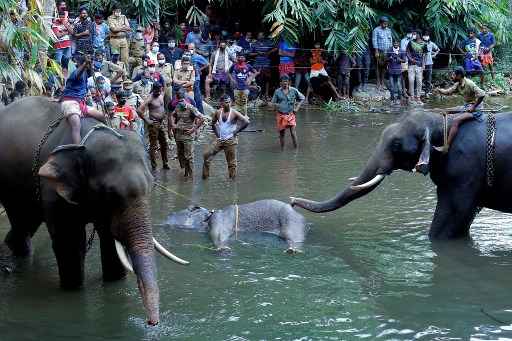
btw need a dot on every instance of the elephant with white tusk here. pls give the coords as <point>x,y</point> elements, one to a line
<point>474,173</point>
<point>105,180</point>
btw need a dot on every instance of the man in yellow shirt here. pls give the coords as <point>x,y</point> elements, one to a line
<point>119,27</point>
<point>473,98</point>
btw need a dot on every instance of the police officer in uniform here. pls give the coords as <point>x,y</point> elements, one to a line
<point>166,70</point>
<point>137,49</point>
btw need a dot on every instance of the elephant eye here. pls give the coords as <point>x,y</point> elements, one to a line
<point>396,144</point>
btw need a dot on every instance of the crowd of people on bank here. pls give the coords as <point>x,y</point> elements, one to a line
<point>140,76</point>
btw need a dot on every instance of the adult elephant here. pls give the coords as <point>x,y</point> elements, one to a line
<point>461,175</point>
<point>105,181</point>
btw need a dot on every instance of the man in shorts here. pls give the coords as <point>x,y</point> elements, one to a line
<point>287,100</point>
<point>73,97</point>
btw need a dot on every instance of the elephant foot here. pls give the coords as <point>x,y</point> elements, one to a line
<point>293,251</point>
<point>20,245</point>
<point>422,167</point>
<point>223,250</point>
<point>7,264</point>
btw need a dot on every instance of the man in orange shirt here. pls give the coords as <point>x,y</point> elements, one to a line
<point>124,114</point>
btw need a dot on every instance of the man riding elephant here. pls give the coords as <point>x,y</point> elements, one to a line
<point>474,173</point>
<point>104,180</point>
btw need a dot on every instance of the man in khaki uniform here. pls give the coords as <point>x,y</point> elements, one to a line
<point>137,50</point>
<point>185,76</point>
<point>119,27</point>
<point>166,71</point>
<point>184,121</point>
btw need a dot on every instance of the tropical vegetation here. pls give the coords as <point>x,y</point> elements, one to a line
<point>344,25</point>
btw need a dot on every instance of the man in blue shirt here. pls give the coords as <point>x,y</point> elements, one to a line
<point>194,37</point>
<point>200,64</point>
<point>262,49</point>
<point>382,41</point>
<point>487,43</point>
<point>73,97</point>
<point>101,32</point>
<point>241,74</point>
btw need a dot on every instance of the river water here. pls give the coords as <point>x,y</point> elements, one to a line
<point>369,270</point>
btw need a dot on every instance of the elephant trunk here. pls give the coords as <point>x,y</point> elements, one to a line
<point>137,236</point>
<point>373,174</point>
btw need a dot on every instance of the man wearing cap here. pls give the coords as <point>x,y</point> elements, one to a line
<point>382,41</point>
<point>119,27</point>
<point>132,98</point>
<point>226,124</point>
<point>184,121</point>
<point>473,98</point>
<point>137,49</point>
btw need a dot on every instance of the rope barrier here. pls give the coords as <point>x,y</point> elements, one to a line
<point>170,190</point>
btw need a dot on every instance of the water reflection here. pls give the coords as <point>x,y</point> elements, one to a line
<point>369,270</point>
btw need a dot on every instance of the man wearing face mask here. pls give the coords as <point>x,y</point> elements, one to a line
<point>153,52</point>
<point>166,71</point>
<point>410,35</point>
<point>185,76</point>
<point>415,55</point>
<point>173,52</point>
<point>144,84</point>
<point>119,27</point>
<point>432,51</point>
<point>83,32</point>
<point>137,49</point>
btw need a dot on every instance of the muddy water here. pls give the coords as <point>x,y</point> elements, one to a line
<point>369,271</point>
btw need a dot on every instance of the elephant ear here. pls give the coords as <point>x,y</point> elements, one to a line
<point>64,171</point>
<point>423,165</point>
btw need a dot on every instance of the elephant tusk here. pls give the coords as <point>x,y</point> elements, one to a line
<point>352,179</point>
<point>123,257</point>
<point>375,181</point>
<point>163,251</point>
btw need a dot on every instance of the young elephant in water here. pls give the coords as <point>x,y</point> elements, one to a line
<point>264,215</point>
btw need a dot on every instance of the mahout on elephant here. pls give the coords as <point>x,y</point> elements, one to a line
<point>269,215</point>
<point>475,173</point>
<point>105,180</point>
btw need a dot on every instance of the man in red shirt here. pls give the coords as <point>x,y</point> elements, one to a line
<point>62,29</point>
<point>124,114</point>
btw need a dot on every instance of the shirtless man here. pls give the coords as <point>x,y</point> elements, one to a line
<point>156,130</point>
<point>226,124</point>
<point>184,121</point>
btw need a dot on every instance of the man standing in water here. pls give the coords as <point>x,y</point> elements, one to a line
<point>157,133</point>
<point>226,124</point>
<point>288,100</point>
<point>184,121</point>
<point>473,98</point>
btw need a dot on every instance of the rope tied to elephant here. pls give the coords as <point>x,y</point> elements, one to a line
<point>237,219</point>
<point>36,163</point>
<point>491,148</point>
